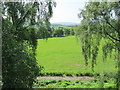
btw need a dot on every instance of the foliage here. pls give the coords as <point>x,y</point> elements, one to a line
<point>43,32</point>
<point>67,32</point>
<point>100,20</point>
<point>58,33</point>
<point>72,31</point>
<point>19,41</point>
<point>72,84</point>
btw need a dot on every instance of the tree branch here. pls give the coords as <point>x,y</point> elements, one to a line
<point>109,34</point>
<point>112,41</point>
<point>111,25</point>
<point>112,37</point>
<point>22,18</point>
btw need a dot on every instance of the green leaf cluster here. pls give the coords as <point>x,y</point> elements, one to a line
<point>19,43</point>
<point>100,20</point>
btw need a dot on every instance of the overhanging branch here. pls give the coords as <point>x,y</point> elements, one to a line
<point>109,34</point>
<point>112,37</point>
<point>22,18</point>
<point>111,25</point>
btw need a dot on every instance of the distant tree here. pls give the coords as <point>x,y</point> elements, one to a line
<point>100,20</point>
<point>44,32</point>
<point>58,32</point>
<point>72,31</point>
<point>66,32</point>
<point>19,66</point>
<point>53,30</point>
<point>50,32</point>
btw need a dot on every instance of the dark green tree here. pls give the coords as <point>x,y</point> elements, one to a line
<point>19,66</point>
<point>58,32</point>
<point>66,32</point>
<point>100,20</point>
<point>72,31</point>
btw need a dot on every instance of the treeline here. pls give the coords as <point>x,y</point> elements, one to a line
<point>55,32</point>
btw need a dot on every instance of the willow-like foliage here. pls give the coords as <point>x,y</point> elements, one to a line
<point>19,66</point>
<point>100,20</point>
<point>90,41</point>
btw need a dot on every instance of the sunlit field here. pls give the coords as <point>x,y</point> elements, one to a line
<point>64,55</point>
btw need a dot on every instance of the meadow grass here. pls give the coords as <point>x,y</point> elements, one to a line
<point>64,55</point>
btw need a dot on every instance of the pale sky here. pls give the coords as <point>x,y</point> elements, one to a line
<point>67,11</point>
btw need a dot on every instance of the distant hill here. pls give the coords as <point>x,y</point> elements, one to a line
<point>64,24</point>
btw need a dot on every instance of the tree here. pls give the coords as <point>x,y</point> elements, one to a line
<point>72,31</point>
<point>58,32</point>
<point>100,20</point>
<point>19,66</point>
<point>66,31</point>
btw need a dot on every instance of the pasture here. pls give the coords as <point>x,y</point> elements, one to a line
<point>64,55</point>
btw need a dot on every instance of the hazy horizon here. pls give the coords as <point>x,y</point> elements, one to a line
<point>67,11</point>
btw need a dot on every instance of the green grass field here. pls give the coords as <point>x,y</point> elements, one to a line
<point>64,55</point>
